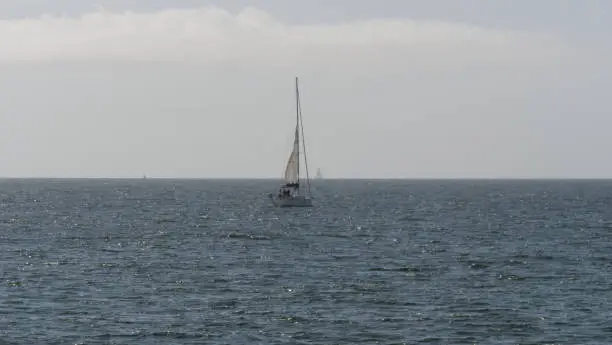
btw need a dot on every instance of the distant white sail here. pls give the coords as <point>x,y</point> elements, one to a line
<point>319,175</point>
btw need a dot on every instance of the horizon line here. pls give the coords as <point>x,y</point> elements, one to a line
<point>312,179</point>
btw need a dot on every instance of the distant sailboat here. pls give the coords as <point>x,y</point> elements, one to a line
<point>291,194</point>
<point>319,175</point>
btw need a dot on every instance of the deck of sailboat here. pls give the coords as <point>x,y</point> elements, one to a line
<point>296,201</point>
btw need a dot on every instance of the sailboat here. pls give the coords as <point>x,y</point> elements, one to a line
<point>291,193</point>
<point>319,175</point>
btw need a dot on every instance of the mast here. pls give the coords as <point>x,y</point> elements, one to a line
<point>297,133</point>
<point>301,125</point>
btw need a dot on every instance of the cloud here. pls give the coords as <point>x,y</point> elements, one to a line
<point>383,97</point>
<point>213,35</point>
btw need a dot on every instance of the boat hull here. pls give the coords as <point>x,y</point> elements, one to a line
<point>296,201</point>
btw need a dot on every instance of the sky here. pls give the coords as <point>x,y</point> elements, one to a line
<point>389,89</point>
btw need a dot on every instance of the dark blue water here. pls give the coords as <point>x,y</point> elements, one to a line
<point>375,262</point>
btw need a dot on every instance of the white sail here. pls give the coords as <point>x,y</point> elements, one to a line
<point>292,171</point>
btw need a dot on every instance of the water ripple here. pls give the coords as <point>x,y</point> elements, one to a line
<point>375,262</point>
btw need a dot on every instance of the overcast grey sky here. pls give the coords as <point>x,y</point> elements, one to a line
<point>395,88</point>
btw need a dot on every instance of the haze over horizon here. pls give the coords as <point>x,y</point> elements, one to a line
<point>403,89</point>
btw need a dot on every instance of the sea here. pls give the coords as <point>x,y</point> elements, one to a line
<point>161,261</point>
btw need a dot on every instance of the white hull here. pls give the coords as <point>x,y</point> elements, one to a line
<point>295,201</point>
